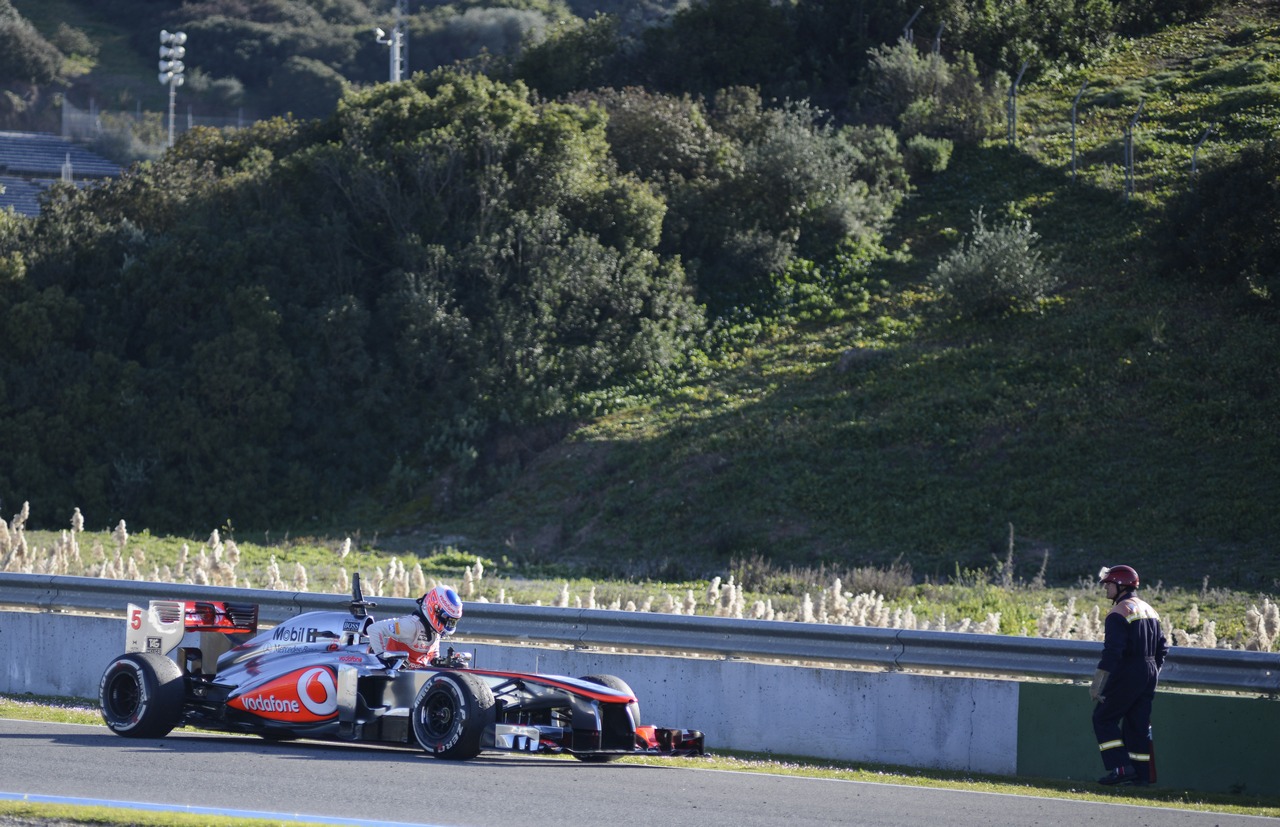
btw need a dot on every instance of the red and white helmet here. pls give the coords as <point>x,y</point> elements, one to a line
<point>441,608</point>
<point>1123,576</point>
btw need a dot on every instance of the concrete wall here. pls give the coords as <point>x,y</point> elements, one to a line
<point>56,654</point>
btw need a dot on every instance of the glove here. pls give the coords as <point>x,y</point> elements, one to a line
<point>395,661</point>
<point>1099,681</point>
<point>458,660</point>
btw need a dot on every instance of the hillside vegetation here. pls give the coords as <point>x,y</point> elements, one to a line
<point>1134,417</point>
<point>688,328</point>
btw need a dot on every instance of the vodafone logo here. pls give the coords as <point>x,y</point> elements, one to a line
<point>305,695</point>
<point>271,703</point>
<point>317,692</point>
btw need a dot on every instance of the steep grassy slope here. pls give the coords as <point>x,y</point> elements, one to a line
<point>1136,418</point>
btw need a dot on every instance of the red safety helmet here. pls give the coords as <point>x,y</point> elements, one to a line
<point>442,609</point>
<point>1123,576</point>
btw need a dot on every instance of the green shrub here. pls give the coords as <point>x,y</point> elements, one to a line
<point>926,93</point>
<point>72,41</point>
<point>306,87</point>
<point>25,56</point>
<point>927,156</point>
<point>572,56</point>
<point>1227,229</point>
<point>996,271</point>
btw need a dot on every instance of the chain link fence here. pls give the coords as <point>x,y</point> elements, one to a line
<point>125,136</point>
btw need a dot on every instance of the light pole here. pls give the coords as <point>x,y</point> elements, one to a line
<point>395,42</point>
<point>172,51</point>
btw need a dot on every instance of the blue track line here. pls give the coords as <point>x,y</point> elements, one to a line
<point>211,811</point>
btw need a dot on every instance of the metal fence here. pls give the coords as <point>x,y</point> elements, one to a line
<point>1221,670</point>
<point>147,128</point>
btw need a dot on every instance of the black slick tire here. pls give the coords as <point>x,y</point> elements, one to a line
<point>450,715</point>
<point>141,695</point>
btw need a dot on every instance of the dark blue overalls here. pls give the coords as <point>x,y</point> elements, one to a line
<point>1133,652</point>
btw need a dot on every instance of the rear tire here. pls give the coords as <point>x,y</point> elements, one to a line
<point>141,695</point>
<point>613,682</point>
<point>451,715</point>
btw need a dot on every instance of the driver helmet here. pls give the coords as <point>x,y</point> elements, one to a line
<point>441,608</point>
<point>1123,576</point>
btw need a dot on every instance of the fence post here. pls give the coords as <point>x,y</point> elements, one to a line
<point>1075,103</point>
<point>1195,153</point>
<point>1128,152</point>
<point>1013,105</point>
<point>907,34</point>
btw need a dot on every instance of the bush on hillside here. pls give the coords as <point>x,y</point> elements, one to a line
<point>662,138</point>
<point>73,41</point>
<point>572,57</point>
<point>750,186</point>
<point>25,56</point>
<point>717,44</point>
<point>632,16</point>
<point>927,156</point>
<point>447,36</point>
<point>306,88</point>
<point>223,92</point>
<point>996,271</point>
<point>252,51</point>
<point>125,140</point>
<point>927,94</point>
<point>1226,230</point>
<point>900,74</point>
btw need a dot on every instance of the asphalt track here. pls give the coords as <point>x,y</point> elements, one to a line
<point>342,784</point>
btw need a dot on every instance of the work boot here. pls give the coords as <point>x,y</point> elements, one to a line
<point>1123,775</point>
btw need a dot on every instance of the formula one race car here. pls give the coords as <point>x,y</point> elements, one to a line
<point>313,677</point>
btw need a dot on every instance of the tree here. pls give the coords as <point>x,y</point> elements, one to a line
<point>25,56</point>
<point>306,87</point>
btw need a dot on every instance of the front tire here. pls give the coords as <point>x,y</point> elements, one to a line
<point>141,695</point>
<point>451,714</point>
<point>613,682</point>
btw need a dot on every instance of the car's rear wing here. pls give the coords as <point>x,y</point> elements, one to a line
<point>161,626</point>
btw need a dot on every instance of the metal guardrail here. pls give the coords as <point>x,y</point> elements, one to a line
<point>865,646</point>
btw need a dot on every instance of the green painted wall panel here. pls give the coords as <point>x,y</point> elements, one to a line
<point>1209,743</point>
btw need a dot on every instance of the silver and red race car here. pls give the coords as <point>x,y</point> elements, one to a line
<point>313,677</point>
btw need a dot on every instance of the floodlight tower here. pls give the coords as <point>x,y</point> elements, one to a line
<point>396,43</point>
<point>172,50</point>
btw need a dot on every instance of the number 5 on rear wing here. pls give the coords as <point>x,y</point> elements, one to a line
<point>161,626</point>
